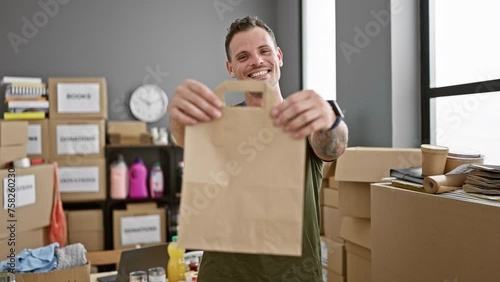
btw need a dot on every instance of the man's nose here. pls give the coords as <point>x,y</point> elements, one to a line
<point>257,60</point>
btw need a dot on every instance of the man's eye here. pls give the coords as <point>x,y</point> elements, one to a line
<point>240,58</point>
<point>265,51</point>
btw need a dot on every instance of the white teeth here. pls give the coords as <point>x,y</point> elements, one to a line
<point>258,73</point>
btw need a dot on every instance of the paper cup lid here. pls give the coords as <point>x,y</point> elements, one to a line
<point>464,153</point>
<point>434,149</point>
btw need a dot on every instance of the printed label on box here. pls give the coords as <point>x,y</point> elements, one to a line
<point>77,139</point>
<point>78,98</point>
<point>140,229</point>
<point>24,191</point>
<point>34,146</point>
<point>79,179</point>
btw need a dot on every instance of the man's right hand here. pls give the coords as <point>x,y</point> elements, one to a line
<point>193,102</point>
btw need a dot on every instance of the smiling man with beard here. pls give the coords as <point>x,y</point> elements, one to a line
<point>252,54</point>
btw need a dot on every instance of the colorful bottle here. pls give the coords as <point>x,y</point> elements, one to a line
<point>176,264</point>
<point>138,174</point>
<point>156,181</point>
<point>118,179</point>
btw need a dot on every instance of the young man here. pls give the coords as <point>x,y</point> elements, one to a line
<point>252,54</point>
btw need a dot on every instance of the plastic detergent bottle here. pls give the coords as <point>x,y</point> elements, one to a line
<point>138,174</point>
<point>118,179</point>
<point>156,181</point>
<point>176,264</point>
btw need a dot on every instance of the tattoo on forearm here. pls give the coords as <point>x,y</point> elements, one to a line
<point>327,143</point>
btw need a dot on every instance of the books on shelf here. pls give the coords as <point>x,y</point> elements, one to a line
<point>24,116</point>
<point>25,89</point>
<point>18,106</point>
<point>18,79</point>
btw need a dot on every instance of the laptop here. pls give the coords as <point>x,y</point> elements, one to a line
<point>138,259</point>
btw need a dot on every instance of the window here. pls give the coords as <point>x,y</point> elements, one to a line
<point>461,75</point>
<point>318,31</point>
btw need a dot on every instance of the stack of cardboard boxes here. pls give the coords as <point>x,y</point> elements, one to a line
<point>355,170</point>
<point>332,246</point>
<point>27,194</point>
<point>78,111</point>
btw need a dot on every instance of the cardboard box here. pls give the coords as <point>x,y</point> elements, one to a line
<point>330,197</point>
<point>34,197</point>
<point>13,133</point>
<point>354,199</point>
<point>423,237</point>
<point>331,276</point>
<point>82,179</point>
<point>76,274</point>
<point>333,255</point>
<point>357,233</point>
<point>331,223</point>
<point>333,182</point>
<point>86,227</point>
<point>329,169</point>
<point>38,139</point>
<point>78,98</point>
<point>143,224</point>
<point>10,154</point>
<point>324,183</point>
<point>76,138</point>
<point>127,127</point>
<point>29,239</point>
<point>368,165</point>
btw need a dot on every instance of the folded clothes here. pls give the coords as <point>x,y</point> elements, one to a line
<point>34,260</point>
<point>71,256</point>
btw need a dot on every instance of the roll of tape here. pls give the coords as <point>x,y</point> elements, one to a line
<point>22,163</point>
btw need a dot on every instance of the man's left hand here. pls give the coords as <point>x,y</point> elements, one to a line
<point>303,113</point>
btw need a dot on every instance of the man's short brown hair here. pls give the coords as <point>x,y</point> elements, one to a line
<point>245,24</point>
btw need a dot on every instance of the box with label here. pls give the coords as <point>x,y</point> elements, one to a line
<point>425,237</point>
<point>86,227</point>
<point>82,179</point>
<point>38,139</point>
<point>357,235</point>
<point>77,274</point>
<point>29,239</point>
<point>139,224</point>
<point>333,255</point>
<point>360,166</point>
<point>77,98</point>
<point>70,139</point>
<point>13,133</point>
<point>10,154</point>
<point>26,198</point>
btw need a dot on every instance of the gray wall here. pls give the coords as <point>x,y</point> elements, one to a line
<point>132,42</point>
<point>378,71</point>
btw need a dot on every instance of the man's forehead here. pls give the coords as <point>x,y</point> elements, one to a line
<point>253,38</point>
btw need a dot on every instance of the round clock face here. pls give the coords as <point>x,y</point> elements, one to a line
<point>148,103</point>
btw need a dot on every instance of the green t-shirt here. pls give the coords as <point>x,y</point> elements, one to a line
<point>234,267</point>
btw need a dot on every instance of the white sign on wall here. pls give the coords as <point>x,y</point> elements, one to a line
<point>79,179</point>
<point>34,146</point>
<point>140,229</point>
<point>25,193</point>
<point>78,98</point>
<point>77,139</point>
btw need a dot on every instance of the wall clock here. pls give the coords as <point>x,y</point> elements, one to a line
<point>148,103</point>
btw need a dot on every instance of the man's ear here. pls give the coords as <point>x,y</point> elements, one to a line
<point>280,56</point>
<point>230,69</point>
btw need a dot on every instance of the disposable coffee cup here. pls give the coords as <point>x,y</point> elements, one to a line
<point>433,159</point>
<point>457,158</point>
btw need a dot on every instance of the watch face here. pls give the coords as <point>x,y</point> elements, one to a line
<point>148,103</point>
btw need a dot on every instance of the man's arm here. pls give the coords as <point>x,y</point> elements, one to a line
<point>305,113</point>
<point>193,102</point>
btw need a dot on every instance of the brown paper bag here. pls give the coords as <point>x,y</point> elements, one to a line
<point>243,182</point>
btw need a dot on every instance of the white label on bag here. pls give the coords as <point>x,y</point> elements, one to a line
<point>34,146</point>
<point>79,179</point>
<point>24,191</point>
<point>77,139</point>
<point>78,98</point>
<point>140,229</point>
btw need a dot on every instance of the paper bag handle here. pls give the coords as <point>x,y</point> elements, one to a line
<point>268,94</point>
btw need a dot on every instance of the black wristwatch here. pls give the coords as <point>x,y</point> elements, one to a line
<point>338,112</point>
